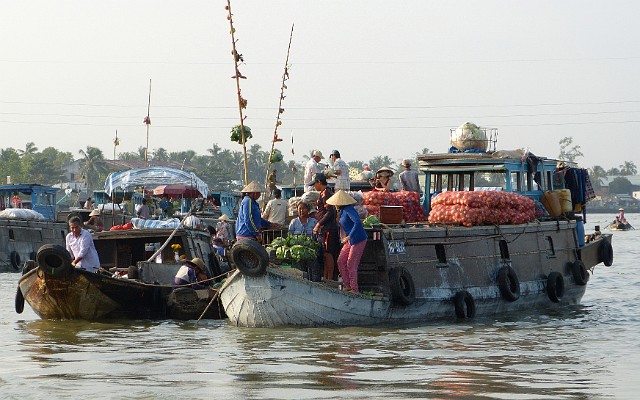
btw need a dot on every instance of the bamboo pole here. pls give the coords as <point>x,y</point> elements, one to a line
<point>147,121</point>
<point>283,86</point>
<point>242,103</point>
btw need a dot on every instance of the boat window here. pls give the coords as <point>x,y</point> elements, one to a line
<point>494,180</point>
<point>440,253</point>
<point>548,181</point>
<point>551,252</point>
<point>11,235</point>
<point>516,181</point>
<point>63,234</point>
<point>504,250</point>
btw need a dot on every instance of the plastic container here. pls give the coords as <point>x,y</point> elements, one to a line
<point>564,195</point>
<point>580,230</point>
<point>391,214</point>
<point>551,203</point>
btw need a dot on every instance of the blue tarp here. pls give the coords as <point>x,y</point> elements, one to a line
<point>153,176</point>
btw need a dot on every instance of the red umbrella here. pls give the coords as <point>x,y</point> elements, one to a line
<point>176,190</point>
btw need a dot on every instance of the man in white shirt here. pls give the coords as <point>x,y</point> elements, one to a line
<point>311,169</point>
<point>80,245</point>
<point>276,209</point>
<point>341,170</point>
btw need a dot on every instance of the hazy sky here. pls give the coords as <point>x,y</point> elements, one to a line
<point>367,77</point>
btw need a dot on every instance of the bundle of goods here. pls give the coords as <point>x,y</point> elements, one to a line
<point>360,208</point>
<point>311,198</point>
<point>469,136</point>
<point>412,210</point>
<point>295,248</point>
<point>292,204</point>
<point>481,208</point>
<point>21,213</point>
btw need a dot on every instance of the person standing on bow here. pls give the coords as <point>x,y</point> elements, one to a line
<point>311,169</point>
<point>80,245</point>
<point>341,170</point>
<point>409,178</point>
<point>353,241</point>
<point>250,222</point>
<point>327,228</point>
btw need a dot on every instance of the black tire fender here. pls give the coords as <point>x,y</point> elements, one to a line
<point>465,306</point>
<point>508,283</point>
<point>19,303</point>
<point>555,286</point>
<point>14,259</point>
<point>605,251</point>
<point>403,290</point>
<point>579,272</point>
<point>249,257</point>
<point>54,260</point>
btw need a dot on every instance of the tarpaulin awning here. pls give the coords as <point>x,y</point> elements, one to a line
<point>152,177</point>
<point>176,190</point>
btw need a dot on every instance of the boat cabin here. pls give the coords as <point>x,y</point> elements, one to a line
<point>33,196</point>
<point>530,176</point>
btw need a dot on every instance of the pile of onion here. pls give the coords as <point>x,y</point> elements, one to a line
<point>412,210</point>
<point>481,208</point>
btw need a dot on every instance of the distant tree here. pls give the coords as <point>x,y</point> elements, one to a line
<point>620,185</point>
<point>29,148</point>
<point>10,165</point>
<point>93,168</point>
<point>596,176</point>
<point>160,154</point>
<point>568,151</point>
<point>423,151</point>
<point>613,172</point>
<point>378,162</point>
<point>628,168</point>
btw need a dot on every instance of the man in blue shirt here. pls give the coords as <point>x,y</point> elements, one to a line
<point>250,222</point>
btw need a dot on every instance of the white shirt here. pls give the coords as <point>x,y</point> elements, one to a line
<point>82,246</point>
<point>310,171</point>
<point>276,211</point>
<point>343,182</point>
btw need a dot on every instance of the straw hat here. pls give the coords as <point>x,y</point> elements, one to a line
<point>223,217</point>
<point>341,198</point>
<point>196,262</point>
<point>94,213</point>
<point>620,209</point>
<point>387,170</point>
<point>317,153</point>
<point>253,187</point>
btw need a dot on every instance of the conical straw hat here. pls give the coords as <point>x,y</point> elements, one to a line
<point>341,198</point>
<point>253,187</point>
<point>223,217</point>
<point>388,170</point>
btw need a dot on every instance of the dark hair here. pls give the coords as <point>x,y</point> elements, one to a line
<point>211,229</point>
<point>75,220</point>
<point>304,203</point>
<point>277,192</point>
<point>335,153</point>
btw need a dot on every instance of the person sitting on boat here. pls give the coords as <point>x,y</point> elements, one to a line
<point>303,224</point>
<point>219,246</point>
<point>382,181</point>
<point>224,230</point>
<point>143,211</point>
<point>623,220</point>
<point>353,241</point>
<point>88,205</point>
<point>250,222</point>
<point>16,200</point>
<point>95,221</point>
<point>276,209</point>
<point>164,204</point>
<point>190,274</point>
<point>80,245</point>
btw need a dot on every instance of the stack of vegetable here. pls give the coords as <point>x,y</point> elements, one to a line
<point>412,210</point>
<point>481,208</point>
<point>299,249</point>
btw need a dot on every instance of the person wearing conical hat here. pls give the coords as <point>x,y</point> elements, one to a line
<point>224,230</point>
<point>250,222</point>
<point>382,180</point>
<point>190,273</point>
<point>354,239</point>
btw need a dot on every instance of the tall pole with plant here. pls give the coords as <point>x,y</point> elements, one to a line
<point>239,132</point>
<point>275,156</point>
<point>147,122</point>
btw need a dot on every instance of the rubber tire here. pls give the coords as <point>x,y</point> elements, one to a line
<point>14,259</point>
<point>19,303</point>
<point>465,306</point>
<point>606,253</point>
<point>555,286</point>
<point>54,260</point>
<point>508,283</point>
<point>249,257</point>
<point>580,273</point>
<point>403,290</point>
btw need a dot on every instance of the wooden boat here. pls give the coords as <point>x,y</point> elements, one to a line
<point>619,226</point>
<point>24,230</point>
<point>127,285</point>
<point>416,273</point>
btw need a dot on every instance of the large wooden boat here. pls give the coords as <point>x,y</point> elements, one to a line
<point>415,273</point>
<point>23,230</point>
<point>127,286</point>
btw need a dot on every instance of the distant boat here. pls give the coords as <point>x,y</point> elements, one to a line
<point>23,229</point>
<point>619,226</point>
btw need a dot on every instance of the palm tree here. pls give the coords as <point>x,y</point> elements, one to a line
<point>596,176</point>
<point>93,167</point>
<point>160,154</point>
<point>29,148</point>
<point>628,168</point>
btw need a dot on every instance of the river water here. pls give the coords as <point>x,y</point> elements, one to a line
<point>589,351</point>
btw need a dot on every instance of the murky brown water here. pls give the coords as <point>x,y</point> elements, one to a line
<point>589,351</point>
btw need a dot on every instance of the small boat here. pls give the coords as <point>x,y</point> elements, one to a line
<point>127,285</point>
<point>620,226</point>
<point>32,224</point>
<point>424,271</point>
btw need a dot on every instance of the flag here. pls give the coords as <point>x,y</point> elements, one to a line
<point>147,120</point>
